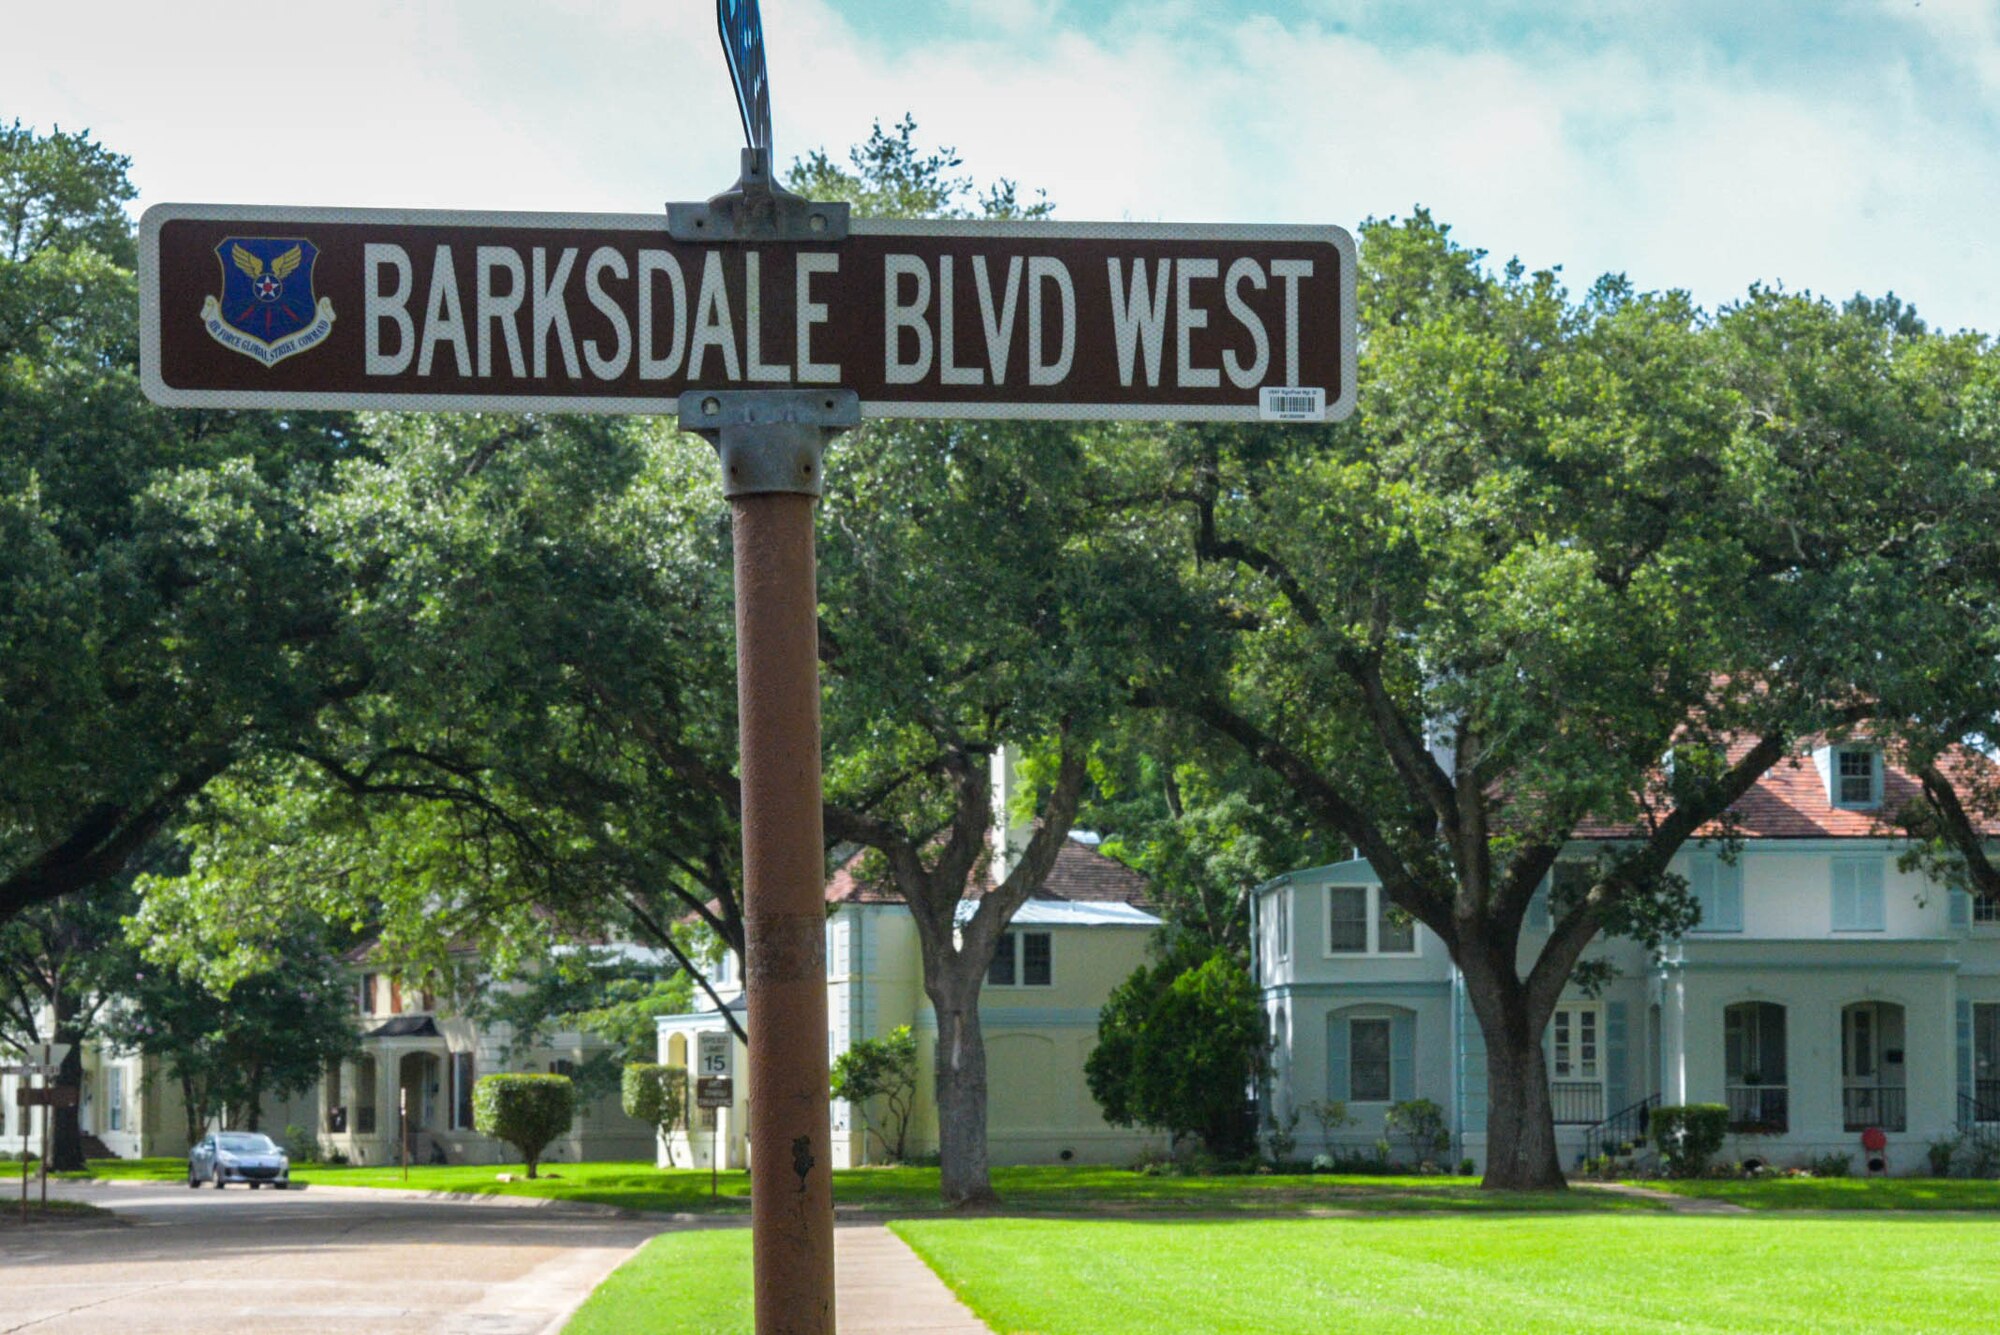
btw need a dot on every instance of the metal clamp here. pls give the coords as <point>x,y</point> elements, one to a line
<point>770,439</point>
<point>755,209</point>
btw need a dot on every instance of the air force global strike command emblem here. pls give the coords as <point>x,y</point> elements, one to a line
<point>267,310</point>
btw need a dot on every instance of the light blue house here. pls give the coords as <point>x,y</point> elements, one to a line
<point>1825,992</point>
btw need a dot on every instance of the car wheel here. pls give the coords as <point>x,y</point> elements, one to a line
<point>255,1185</point>
<point>193,1181</point>
<point>218,1179</point>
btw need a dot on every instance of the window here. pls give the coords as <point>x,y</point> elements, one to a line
<point>462,1081</point>
<point>1347,919</point>
<point>1986,908</point>
<point>114,1097</point>
<point>1281,925</point>
<point>367,994</point>
<point>1369,1078</point>
<point>1717,887</point>
<point>1025,959</point>
<point>1857,895</point>
<point>1854,776</point>
<point>1360,920</point>
<point>1395,930</point>
<point>563,1066</point>
<point>1574,1043</point>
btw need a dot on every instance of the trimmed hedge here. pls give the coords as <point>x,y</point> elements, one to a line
<point>656,1095</point>
<point>1688,1136</point>
<point>526,1111</point>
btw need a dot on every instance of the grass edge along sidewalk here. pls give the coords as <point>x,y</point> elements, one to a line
<point>1041,1189</point>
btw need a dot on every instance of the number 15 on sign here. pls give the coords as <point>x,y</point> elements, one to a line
<point>715,1055</point>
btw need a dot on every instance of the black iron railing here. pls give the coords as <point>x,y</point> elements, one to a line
<point>1759,1109</point>
<point>1863,1106</point>
<point>1986,1094</point>
<point>1979,1112</point>
<point>1576,1102</point>
<point>1627,1126</point>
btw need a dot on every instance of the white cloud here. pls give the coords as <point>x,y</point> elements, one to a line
<point>1685,173</point>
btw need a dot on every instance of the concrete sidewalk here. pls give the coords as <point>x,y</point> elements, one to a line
<point>880,1285</point>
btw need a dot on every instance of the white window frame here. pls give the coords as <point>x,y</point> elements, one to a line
<point>1281,925</point>
<point>1374,904</point>
<point>1576,1013</point>
<point>1839,781</point>
<point>1013,944</point>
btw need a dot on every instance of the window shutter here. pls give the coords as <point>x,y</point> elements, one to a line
<point>1964,1051</point>
<point>1615,1085</point>
<point>1961,907</point>
<point>1538,907</point>
<point>1701,885</point>
<point>1403,1057</point>
<point>1728,883</point>
<point>1846,900</point>
<point>1868,893</point>
<point>1472,1066</point>
<point>1336,1057</point>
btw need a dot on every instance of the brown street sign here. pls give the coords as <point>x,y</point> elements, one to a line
<point>714,1091</point>
<point>56,1096</point>
<point>357,308</point>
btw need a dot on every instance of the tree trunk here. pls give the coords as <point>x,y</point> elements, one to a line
<point>66,1142</point>
<point>1520,1121</point>
<point>533,1161</point>
<point>964,1175</point>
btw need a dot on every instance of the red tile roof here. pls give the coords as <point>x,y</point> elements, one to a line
<point>1081,874</point>
<point>1790,801</point>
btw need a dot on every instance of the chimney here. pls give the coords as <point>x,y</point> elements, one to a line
<point>1008,835</point>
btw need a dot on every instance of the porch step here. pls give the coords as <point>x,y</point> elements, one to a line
<point>93,1148</point>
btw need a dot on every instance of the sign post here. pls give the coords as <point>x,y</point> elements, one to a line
<point>714,1090</point>
<point>770,324</point>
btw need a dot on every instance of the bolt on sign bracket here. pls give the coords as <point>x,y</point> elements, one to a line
<point>756,209</point>
<point>770,439</point>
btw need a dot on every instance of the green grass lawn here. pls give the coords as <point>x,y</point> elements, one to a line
<point>1494,1273</point>
<point>1843,1193</point>
<point>690,1283</point>
<point>640,1186</point>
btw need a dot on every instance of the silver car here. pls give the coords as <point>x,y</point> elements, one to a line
<point>239,1156</point>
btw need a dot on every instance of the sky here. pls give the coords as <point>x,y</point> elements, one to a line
<point>1826,145</point>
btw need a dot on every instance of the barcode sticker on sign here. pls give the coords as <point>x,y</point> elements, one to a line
<point>1293,405</point>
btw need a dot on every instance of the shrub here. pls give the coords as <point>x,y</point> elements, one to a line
<point>1467,1168</point>
<point>657,1096</point>
<point>526,1111</point>
<point>1322,1163</point>
<point>1831,1165</point>
<point>1281,1137</point>
<point>1942,1151</point>
<point>301,1145</point>
<point>1421,1123</point>
<point>881,1069</point>
<point>1332,1116</point>
<point>1179,1044</point>
<point>1688,1136</point>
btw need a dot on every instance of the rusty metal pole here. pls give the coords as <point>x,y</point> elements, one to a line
<point>777,692</point>
<point>772,444</point>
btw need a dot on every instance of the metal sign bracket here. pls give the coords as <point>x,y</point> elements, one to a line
<point>770,440</point>
<point>758,209</point>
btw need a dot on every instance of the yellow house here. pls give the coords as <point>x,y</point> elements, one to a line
<point>1063,954</point>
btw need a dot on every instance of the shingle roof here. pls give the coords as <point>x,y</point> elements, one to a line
<point>1791,801</point>
<point>1081,874</point>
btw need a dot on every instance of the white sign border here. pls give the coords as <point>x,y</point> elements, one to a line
<point>157,390</point>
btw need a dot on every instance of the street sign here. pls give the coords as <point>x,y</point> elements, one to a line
<point>27,1070</point>
<point>715,1055</point>
<point>56,1096</point>
<point>714,1091</point>
<point>742,29</point>
<point>355,308</point>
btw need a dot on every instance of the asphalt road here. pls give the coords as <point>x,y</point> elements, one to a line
<point>325,1259</point>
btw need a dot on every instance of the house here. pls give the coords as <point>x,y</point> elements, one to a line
<point>1067,948</point>
<point>420,1061</point>
<point>1826,991</point>
<point>415,1054</point>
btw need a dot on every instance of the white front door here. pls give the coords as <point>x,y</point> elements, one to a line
<point>1576,1064</point>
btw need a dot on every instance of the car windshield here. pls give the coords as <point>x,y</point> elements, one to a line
<point>245,1144</point>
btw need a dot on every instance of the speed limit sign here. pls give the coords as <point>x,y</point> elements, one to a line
<point>715,1055</point>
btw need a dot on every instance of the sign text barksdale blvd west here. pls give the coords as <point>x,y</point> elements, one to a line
<point>349,308</point>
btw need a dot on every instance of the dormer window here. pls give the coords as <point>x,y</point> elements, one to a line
<point>1857,778</point>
